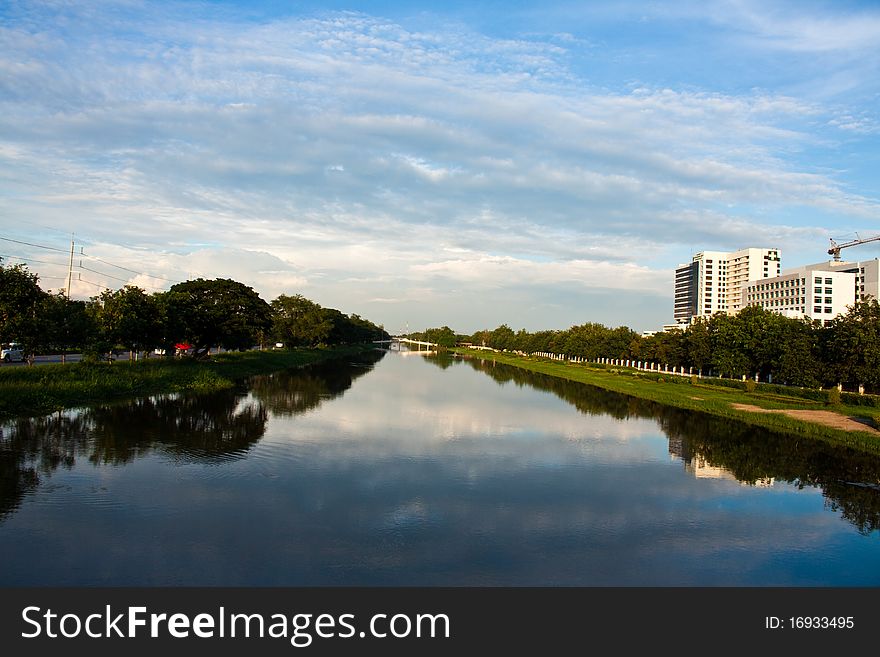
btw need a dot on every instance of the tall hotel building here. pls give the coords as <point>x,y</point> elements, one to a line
<point>714,281</point>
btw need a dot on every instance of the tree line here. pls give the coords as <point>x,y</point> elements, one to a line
<point>753,342</point>
<point>202,313</point>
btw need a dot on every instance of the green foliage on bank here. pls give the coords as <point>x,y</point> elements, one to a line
<point>33,391</point>
<point>754,342</point>
<point>708,396</point>
<point>201,313</point>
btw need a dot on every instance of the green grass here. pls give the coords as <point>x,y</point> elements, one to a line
<point>38,390</point>
<point>691,393</point>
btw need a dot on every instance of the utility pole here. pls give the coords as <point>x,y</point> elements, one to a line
<point>70,267</point>
<point>69,282</point>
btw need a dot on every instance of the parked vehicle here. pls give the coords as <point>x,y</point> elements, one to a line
<point>12,351</point>
<point>184,349</point>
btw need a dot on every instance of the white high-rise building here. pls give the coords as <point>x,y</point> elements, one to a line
<point>713,281</point>
<point>748,265</point>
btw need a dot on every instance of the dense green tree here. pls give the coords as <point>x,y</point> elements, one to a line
<point>854,346</point>
<point>481,338</point>
<point>341,330</point>
<point>298,322</point>
<point>799,361</point>
<point>21,300</point>
<point>67,324</point>
<point>502,337</point>
<point>127,317</point>
<point>619,340</point>
<point>584,341</point>
<point>728,346</point>
<point>754,342</point>
<point>364,330</point>
<point>522,341</point>
<point>596,341</point>
<point>667,347</point>
<point>698,345</point>
<point>218,312</point>
<point>443,336</point>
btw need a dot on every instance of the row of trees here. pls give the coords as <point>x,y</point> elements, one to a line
<point>203,313</point>
<point>752,342</point>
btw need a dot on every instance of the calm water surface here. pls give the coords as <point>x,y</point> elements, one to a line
<point>413,470</point>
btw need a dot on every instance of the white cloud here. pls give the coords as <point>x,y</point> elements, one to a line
<point>787,27</point>
<point>306,154</point>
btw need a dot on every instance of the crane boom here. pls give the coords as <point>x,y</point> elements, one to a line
<point>835,247</point>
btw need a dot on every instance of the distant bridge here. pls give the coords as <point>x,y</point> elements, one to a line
<point>429,346</point>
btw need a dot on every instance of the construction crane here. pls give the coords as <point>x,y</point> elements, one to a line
<point>835,247</point>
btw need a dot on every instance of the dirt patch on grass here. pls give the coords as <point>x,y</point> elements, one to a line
<point>828,418</point>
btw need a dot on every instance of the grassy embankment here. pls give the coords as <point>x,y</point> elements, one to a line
<point>42,389</point>
<point>697,394</point>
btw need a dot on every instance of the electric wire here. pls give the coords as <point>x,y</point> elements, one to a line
<point>91,257</point>
<point>39,246</point>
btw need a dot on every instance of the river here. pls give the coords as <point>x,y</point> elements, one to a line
<point>408,470</point>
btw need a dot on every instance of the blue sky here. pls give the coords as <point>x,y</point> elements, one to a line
<point>471,164</point>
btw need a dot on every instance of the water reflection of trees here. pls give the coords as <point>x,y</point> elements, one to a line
<point>31,449</point>
<point>292,392</point>
<point>849,479</point>
<point>208,427</point>
<point>442,359</point>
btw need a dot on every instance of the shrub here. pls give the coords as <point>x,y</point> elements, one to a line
<point>834,396</point>
<point>854,399</point>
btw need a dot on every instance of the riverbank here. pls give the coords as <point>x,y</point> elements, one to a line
<point>33,391</point>
<point>854,426</point>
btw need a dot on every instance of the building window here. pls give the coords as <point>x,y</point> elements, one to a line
<point>827,299</point>
<point>827,310</point>
<point>817,309</point>
<point>818,281</point>
<point>817,299</point>
<point>828,290</point>
<point>829,281</point>
<point>817,290</point>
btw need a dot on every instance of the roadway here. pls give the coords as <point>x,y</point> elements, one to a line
<point>73,358</point>
<point>56,358</point>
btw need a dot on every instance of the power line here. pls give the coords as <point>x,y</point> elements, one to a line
<point>95,271</point>
<point>109,263</point>
<point>85,255</point>
<point>39,246</point>
<point>42,262</point>
<point>133,271</point>
<point>116,278</point>
<point>80,278</point>
<point>91,257</point>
